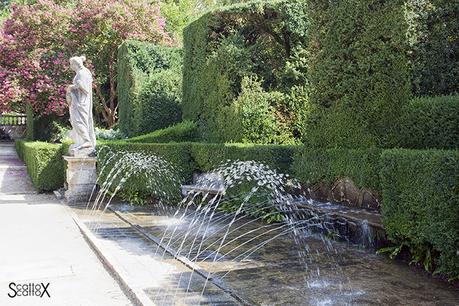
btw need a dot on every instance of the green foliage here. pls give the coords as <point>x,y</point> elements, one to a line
<point>181,132</point>
<point>209,156</point>
<point>430,122</point>
<point>149,86</point>
<point>253,117</point>
<point>241,65</point>
<point>44,127</point>
<point>19,146</point>
<point>357,72</point>
<point>159,101</point>
<point>421,205</point>
<point>44,162</point>
<point>434,46</point>
<point>137,187</point>
<point>312,166</point>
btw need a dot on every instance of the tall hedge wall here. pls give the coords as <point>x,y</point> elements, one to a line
<point>433,36</point>
<point>149,87</point>
<point>358,72</point>
<point>243,73</point>
<point>429,123</point>
<point>420,191</point>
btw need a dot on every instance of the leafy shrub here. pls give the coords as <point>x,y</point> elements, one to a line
<point>159,101</point>
<point>44,162</point>
<point>434,46</point>
<point>43,127</point>
<point>312,166</point>
<point>181,132</point>
<point>240,62</point>
<point>421,205</point>
<point>141,91</point>
<point>253,117</point>
<point>357,72</point>
<point>59,132</point>
<point>430,122</point>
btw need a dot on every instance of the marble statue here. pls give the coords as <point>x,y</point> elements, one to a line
<point>79,98</point>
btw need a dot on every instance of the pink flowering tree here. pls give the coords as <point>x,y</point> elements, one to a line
<point>37,40</point>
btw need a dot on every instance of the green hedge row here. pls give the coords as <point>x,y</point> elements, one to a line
<point>420,191</point>
<point>210,156</point>
<point>430,122</point>
<point>149,87</point>
<point>312,166</point>
<point>190,157</point>
<point>137,187</point>
<point>44,162</point>
<point>181,132</point>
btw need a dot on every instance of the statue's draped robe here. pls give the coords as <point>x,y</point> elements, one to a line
<point>81,109</point>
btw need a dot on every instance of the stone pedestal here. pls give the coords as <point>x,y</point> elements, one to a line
<point>81,178</point>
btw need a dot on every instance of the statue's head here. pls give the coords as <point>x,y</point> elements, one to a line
<point>76,62</point>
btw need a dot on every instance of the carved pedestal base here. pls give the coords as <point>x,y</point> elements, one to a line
<point>80,178</point>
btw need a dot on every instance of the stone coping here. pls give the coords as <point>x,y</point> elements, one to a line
<point>77,158</point>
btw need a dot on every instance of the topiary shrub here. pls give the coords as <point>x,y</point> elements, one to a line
<point>420,191</point>
<point>430,122</point>
<point>357,71</point>
<point>433,46</point>
<point>140,91</point>
<point>181,132</point>
<point>242,66</point>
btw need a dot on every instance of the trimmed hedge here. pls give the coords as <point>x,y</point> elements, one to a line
<point>434,46</point>
<point>19,145</point>
<point>210,156</point>
<point>430,122</point>
<point>44,162</point>
<point>313,166</point>
<point>420,192</point>
<point>149,87</point>
<point>243,73</point>
<point>357,71</point>
<point>136,188</point>
<point>181,132</point>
